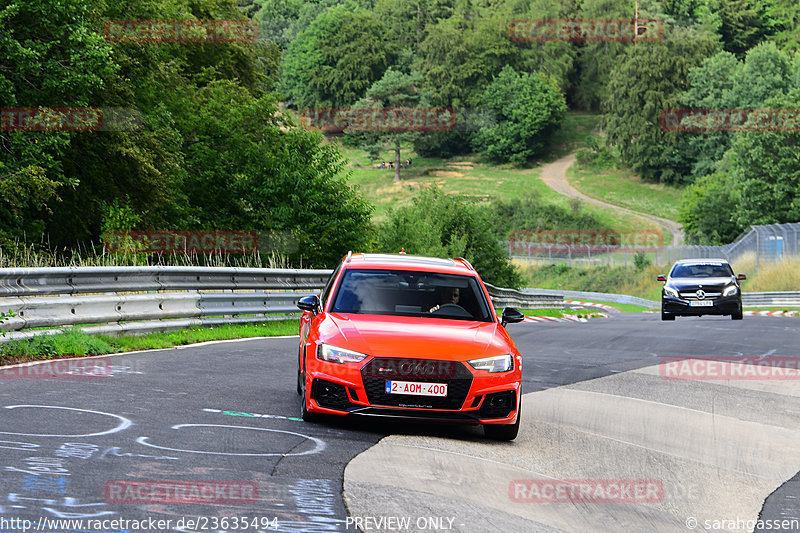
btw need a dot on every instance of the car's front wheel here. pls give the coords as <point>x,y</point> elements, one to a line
<point>299,373</point>
<point>305,414</point>
<point>665,316</point>
<point>504,431</point>
<point>737,316</point>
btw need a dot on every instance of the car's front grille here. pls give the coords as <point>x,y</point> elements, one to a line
<point>693,295</point>
<point>377,372</point>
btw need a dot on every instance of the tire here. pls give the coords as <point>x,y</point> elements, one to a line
<point>665,316</point>
<point>299,374</point>
<point>504,431</point>
<point>304,413</point>
<point>737,316</point>
<point>299,385</point>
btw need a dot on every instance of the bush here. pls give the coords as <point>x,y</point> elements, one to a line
<point>531,212</point>
<point>528,108</point>
<point>641,261</point>
<point>439,225</point>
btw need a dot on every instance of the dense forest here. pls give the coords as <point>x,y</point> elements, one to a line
<point>216,144</point>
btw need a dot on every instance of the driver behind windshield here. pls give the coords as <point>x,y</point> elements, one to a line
<point>449,295</point>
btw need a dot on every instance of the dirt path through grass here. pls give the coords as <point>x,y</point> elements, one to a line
<point>554,175</point>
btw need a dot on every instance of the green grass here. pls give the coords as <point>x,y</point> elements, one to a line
<point>614,280</point>
<point>470,176</point>
<point>620,187</point>
<point>556,313</point>
<point>75,343</point>
<point>575,130</point>
<point>625,308</point>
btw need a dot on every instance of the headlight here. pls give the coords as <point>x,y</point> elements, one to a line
<point>332,354</point>
<point>730,290</point>
<point>498,363</point>
<point>669,291</point>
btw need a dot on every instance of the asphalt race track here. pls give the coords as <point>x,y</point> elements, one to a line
<point>221,419</point>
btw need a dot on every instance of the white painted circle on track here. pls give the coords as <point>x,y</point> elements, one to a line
<point>124,422</point>
<point>319,445</point>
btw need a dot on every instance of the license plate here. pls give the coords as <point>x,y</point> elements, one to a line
<point>416,389</point>
<point>701,303</point>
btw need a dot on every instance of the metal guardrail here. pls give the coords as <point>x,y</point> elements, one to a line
<point>749,299</point>
<point>771,299</point>
<point>525,300</point>
<point>601,297</point>
<point>75,280</point>
<point>114,300</point>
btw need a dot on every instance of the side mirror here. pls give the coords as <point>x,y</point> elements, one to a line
<point>741,277</point>
<point>662,278</point>
<point>309,303</point>
<point>511,316</point>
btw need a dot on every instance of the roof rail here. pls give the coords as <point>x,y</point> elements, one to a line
<point>465,262</point>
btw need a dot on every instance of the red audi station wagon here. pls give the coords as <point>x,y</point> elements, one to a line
<point>397,335</point>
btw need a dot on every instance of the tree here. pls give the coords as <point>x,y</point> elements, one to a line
<point>648,80</point>
<point>336,59</point>
<point>527,108</point>
<point>440,225</point>
<point>711,87</point>
<point>723,82</point>
<point>783,19</point>
<point>394,90</point>
<point>275,18</point>
<point>758,182</point>
<point>408,23</point>
<point>707,210</point>
<point>50,57</point>
<point>766,169</point>
<point>767,71</point>
<point>743,25</point>
<point>596,59</point>
<point>251,167</point>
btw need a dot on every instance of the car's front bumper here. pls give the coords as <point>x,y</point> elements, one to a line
<point>487,399</point>
<point>724,305</point>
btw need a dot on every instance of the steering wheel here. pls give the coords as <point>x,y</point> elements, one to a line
<point>452,309</point>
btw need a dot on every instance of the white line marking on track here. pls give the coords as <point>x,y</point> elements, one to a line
<point>319,445</point>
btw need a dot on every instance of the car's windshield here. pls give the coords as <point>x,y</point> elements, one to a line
<point>702,270</point>
<point>410,293</point>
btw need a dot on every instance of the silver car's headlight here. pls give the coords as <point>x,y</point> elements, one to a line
<point>669,291</point>
<point>498,363</point>
<point>730,290</point>
<point>333,354</point>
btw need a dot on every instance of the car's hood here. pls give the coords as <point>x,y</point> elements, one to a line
<point>689,284</point>
<point>400,336</point>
